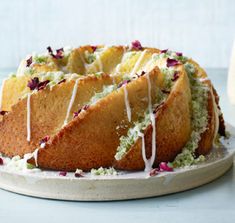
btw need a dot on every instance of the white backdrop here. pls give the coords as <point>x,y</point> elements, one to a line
<point>202,29</point>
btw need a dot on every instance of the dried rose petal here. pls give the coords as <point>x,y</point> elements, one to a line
<point>63,173</point>
<point>1,161</point>
<point>75,114</point>
<point>164,91</point>
<point>94,48</point>
<point>176,76</point>
<point>3,112</point>
<point>164,51</point>
<point>78,175</point>
<point>164,167</point>
<point>179,54</point>
<point>59,53</point>
<point>62,81</point>
<point>158,107</point>
<point>84,108</point>
<point>33,83</point>
<point>154,172</point>
<point>42,85</point>
<point>29,61</point>
<point>141,74</point>
<point>136,45</point>
<point>172,62</point>
<point>44,140</point>
<point>123,83</point>
<point>50,50</point>
<point>36,84</point>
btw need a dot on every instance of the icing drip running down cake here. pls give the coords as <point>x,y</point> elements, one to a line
<point>118,107</point>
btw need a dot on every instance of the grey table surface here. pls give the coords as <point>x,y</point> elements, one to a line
<point>214,202</point>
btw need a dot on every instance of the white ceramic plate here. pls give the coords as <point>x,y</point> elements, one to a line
<point>126,185</point>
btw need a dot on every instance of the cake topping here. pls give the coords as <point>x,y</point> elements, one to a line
<point>36,84</point>
<point>94,48</point>
<point>59,53</point>
<point>62,81</point>
<point>62,173</point>
<point>3,112</point>
<point>163,166</point>
<point>175,76</point>
<point>153,172</point>
<point>79,173</point>
<point>172,62</point>
<point>33,83</point>
<point>136,45</point>
<point>164,51</point>
<point>123,83</point>
<point>84,108</point>
<point>1,161</point>
<point>158,107</point>
<point>141,74</point>
<point>29,61</point>
<point>179,54</point>
<point>43,141</point>
<point>165,91</point>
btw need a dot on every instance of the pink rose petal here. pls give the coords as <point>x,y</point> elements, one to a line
<point>59,53</point>
<point>44,140</point>
<point>154,172</point>
<point>62,173</point>
<point>172,62</point>
<point>136,45</point>
<point>176,76</point>
<point>123,83</point>
<point>1,161</point>
<point>62,81</point>
<point>3,112</point>
<point>29,61</point>
<point>33,83</point>
<point>164,51</point>
<point>179,54</point>
<point>84,108</point>
<point>36,84</point>
<point>78,175</point>
<point>163,166</point>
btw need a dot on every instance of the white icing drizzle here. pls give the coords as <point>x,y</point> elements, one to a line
<point>146,161</point>
<point>74,92</point>
<point>128,108</point>
<point>1,97</point>
<point>149,163</point>
<point>28,118</point>
<point>216,110</point>
<point>35,156</point>
<point>137,64</point>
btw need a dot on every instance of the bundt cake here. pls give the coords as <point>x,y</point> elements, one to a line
<point>127,107</point>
